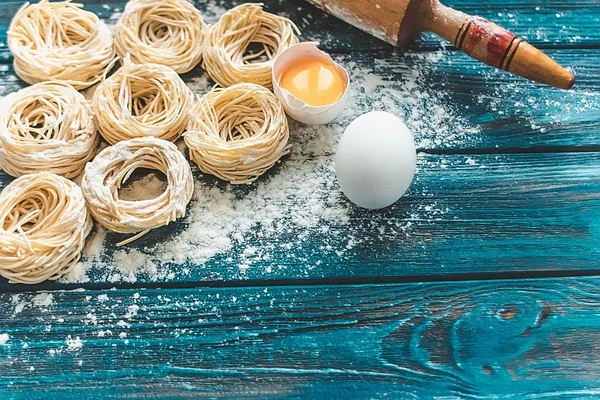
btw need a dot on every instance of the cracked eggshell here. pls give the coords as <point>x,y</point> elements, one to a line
<point>295,108</point>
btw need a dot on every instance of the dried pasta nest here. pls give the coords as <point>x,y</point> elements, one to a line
<point>237,133</point>
<point>168,32</point>
<point>46,127</point>
<point>114,165</point>
<point>142,100</point>
<point>60,41</point>
<point>228,56</point>
<point>43,226</point>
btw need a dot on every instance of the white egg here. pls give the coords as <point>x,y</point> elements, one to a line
<point>376,160</point>
<point>296,108</point>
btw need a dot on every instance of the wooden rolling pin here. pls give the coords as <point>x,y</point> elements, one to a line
<point>399,21</point>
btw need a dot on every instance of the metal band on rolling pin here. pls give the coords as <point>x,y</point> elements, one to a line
<point>501,45</point>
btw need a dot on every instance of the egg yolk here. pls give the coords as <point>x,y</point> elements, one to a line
<point>314,81</point>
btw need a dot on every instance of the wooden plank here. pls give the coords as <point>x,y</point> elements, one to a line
<point>505,112</point>
<point>505,338</point>
<point>547,24</point>
<point>453,103</point>
<point>494,214</point>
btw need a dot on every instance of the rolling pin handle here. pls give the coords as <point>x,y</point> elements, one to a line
<point>495,46</point>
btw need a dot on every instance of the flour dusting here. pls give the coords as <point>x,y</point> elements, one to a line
<point>295,217</point>
<point>73,344</point>
<point>148,187</point>
<point>43,299</point>
<point>276,221</point>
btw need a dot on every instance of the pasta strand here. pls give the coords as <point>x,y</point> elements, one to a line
<point>228,41</point>
<point>142,100</point>
<point>43,226</point>
<point>60,41</point>
<point>237,133</point>
<point>46,127</point>
<point>167,32</point>
<point>113,165</point>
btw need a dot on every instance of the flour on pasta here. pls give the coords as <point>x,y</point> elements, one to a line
<point>248,228</point>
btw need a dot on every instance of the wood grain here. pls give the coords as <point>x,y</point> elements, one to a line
<point>546,24</point>
<point>495,46</point>
<point>525,210</point>
<point>478,109</point>
<point>469,212</point>
<point>470,339</point>
<point>398,22</point>
<point>493,214</point>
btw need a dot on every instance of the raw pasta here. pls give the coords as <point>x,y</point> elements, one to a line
<point>113,166</point>
<point>60,41</point>
<point>46,127</point>
<point>142,100</point>
<point>168,32</point>
<point>43,226</point>
<point>237,133</point>
<point>226,56</point>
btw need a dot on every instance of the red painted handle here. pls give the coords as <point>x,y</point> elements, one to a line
<point>487,42</point>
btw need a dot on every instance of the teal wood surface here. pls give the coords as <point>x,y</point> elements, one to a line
<point>547,24</point>
<point>520,213</point>
<point>444,295</point>
<point>509,338</point>
<point>482,109</point>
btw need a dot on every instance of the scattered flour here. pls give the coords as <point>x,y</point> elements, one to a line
<point>4,338</point>
<point>210,12</point>
<point>123,317</point>
<point>43,299</point>
<point>114,18</point>
<point>146,188</point>
<point>73,344</point>
<point>17,303</point>
<point>297,203</point>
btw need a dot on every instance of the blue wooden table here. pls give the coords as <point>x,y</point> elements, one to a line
<point>481,282</point>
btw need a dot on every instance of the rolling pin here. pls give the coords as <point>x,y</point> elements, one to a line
<point>399,21</point>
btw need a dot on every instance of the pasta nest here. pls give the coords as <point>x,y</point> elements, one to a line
<point>60,41</point>
<point>142,100</point>
<point>227,56</point>
<point>46,127</point>
<point>237,133</point>
<point>43,226</point>
<point>113,166</point>
<point>168,32</point>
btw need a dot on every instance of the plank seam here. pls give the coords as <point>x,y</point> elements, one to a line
<point>466,277</point>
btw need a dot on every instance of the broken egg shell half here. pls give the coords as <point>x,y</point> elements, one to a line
<point>295,108</point>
